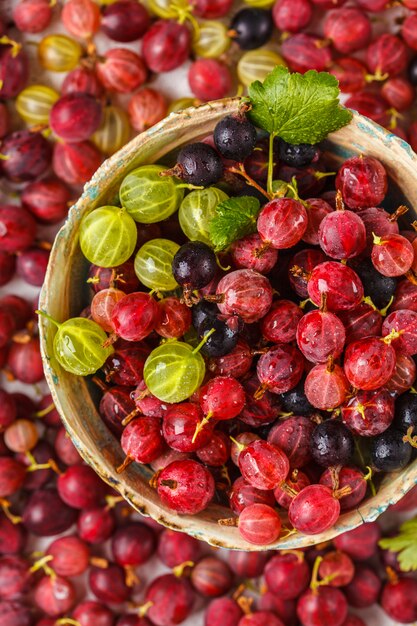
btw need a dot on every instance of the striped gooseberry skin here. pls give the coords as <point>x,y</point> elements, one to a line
<point>245,293</point>
<point>153,264</point>
<point>102,306</point>
<point>107,236</point>
<point>114,130</point>
<point>121,70</point>
<point>59,53</point>
<point>75,163</point>
<point>196,212</point>
<point>259,524</point>
<point>387,54</point>
<point>257,64</point>
<point>135,316</point>
<point>173,371</point>
<point>81,18</point>
<point>148,196</point>
<point>146,108</point>
<point>34,103</point>
<point>304,52</point>
<point>314,509</point>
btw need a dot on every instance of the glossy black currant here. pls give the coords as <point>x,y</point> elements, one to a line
<point>222,341</point>
<point>235,137</point>
<point>252,28</point>
<point>194,265</point>
<point>332,444</point>
<point>200,164</point>
<point>406,412</point>
<point>389,452</point>
<point>203,311</point>
<point>297,155</point>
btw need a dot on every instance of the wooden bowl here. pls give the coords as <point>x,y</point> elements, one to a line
<point>65,293</point>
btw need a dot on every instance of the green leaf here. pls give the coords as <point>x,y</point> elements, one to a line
<point>299,108</point>
<point>405,543</point>
<point>235,218</point>
<point>407,558</point>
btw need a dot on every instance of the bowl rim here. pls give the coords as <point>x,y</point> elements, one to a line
<point>373,506</point>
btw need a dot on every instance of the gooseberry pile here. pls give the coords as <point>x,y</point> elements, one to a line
<point>260,373</point>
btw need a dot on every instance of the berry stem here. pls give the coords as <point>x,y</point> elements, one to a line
<point>288,490</point>
<point>340,206</point>
<point>409,438</point>
<point>315,583</point>
<point>240,170</point>
<point>299,272</point>
<point>111,501</point>
<point>320,175</point>
<point>5,506</point>
<point>391,575</point>
<point>189,296</point>
<point>240,446</point>
<point>394,334</point>
<point>377,241</point>
<point>245,604</point>
<point>35,466</point>
<point>344,491</point>
<point>368,474</point>
<point>48,317</point>
<point>171,484</point>
<point>402,209</point>
<point>42,563</point>
<point>260,251</point>
<point>203,341</point>
<point>100,384</point>
<point>362,461</point>
<point>98,561</point>
<point>178,570</point>
<point>335,476</point>
<point>298,553</point>
<point>260,392</point>
<point>16,47</point>
<point>270,164</point>
<point>378,76</point>
<point>217,298</point>
<point>229,521</point>
<point>144,608</point>
<point>44,411</point>
<point>131,578</point>
<point>200,426</point>
<point>302,304</point>
<point>130,417</point>
<point>188,186</point>
<point>411,277</point>
<point>128,460</point>
<point>384,311</point>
